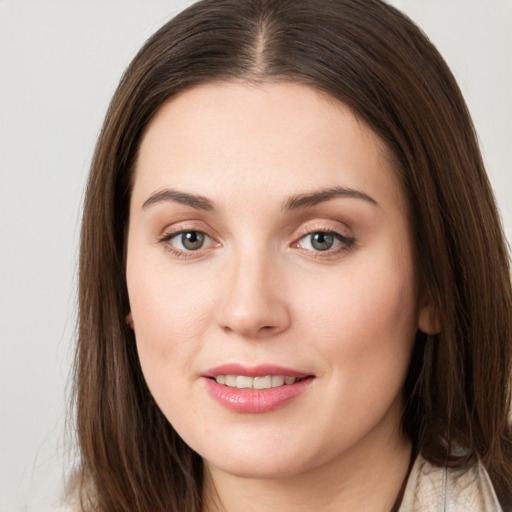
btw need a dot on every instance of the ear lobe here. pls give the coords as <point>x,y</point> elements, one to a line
<point>129,320</point>
<point>428,320</point>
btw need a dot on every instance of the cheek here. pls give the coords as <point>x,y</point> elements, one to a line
<point>168,324</point>
<point>363,330</point>
<point>171,314</point>
<point>365,321</point>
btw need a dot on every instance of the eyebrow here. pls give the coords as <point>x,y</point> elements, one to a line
<point>297,201</point>
<point>311,199</point>
<point>194,201</point>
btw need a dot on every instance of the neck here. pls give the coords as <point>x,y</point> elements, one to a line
<point>369,479</point>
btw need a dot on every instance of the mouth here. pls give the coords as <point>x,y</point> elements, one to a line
<point>265,382</point>
<point>257,389</point>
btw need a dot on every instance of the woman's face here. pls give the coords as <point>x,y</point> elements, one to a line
<point>270,276</point>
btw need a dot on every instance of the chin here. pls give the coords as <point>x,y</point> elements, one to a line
<point>263,461</point>
<point>258,469</point>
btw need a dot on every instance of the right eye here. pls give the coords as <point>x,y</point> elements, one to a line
<point>184,242</point>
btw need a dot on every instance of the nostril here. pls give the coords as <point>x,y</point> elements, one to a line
<point>252,315</point>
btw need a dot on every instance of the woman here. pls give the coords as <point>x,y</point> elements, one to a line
<point>294,287</point>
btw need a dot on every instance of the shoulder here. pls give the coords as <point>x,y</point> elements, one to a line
<point>437,489</point>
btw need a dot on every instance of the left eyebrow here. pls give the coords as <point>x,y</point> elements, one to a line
<point>311,199</point>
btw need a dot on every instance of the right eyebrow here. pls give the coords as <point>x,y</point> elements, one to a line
<point>167,194</point>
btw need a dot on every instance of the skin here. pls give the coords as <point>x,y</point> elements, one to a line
<point>259,292</point>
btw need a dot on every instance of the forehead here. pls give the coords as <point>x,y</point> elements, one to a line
<point>238,136</point>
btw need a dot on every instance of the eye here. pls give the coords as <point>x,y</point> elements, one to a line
<point>321,241</point>
<point>190,240</point>
<point>187,241</point>
<point>324,241</point>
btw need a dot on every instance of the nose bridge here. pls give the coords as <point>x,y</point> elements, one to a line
<point>254,304</point>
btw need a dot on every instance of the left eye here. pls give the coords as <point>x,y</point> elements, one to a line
<point>322,241</point>
<point>188,240</point>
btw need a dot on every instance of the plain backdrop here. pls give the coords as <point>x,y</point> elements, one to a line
<point>59,64</point>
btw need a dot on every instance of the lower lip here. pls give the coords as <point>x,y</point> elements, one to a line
<point>255,401</point>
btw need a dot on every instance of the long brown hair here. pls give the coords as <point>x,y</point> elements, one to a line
<point>374,59</point>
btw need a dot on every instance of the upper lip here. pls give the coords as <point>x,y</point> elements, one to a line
<point>261,370</point>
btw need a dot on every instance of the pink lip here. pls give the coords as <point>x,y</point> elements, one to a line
<point>254,401</point>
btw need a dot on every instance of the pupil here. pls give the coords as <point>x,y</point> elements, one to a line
<point>192,240</point>
<point>322,241</point>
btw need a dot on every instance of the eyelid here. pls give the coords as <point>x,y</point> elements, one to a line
<point>170,236</point>
<point>326,226</point>
<point>180,227</point>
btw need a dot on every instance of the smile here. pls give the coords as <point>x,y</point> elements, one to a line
<point>257,389</point>
<point>245,382</point>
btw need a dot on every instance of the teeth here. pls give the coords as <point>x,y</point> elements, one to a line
<point>262,382</point>
<point>244,382</point>
<point>278,380</point>
<point>230,381</point>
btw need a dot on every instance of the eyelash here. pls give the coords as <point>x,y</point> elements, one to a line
<point>345,243</point>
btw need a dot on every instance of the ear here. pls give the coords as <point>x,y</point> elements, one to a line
<point>428,318</point>
<point>129,320</point>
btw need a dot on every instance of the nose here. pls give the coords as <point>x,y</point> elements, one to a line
<point>254,304</point>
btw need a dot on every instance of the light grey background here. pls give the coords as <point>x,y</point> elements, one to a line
<point>59,65</point>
